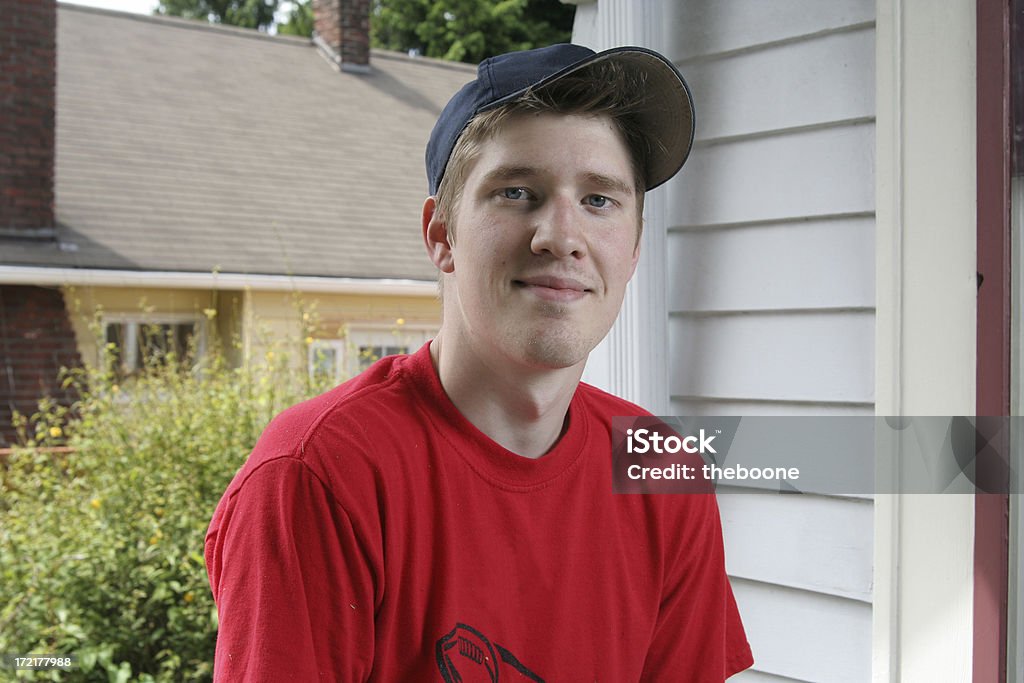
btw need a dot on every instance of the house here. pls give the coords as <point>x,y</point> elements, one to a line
<point>839,244</point>
<point>213,181</point>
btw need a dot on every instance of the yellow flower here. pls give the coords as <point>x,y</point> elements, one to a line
<point>115,388</point>
<point>210,313</point>
<point>153,540</point>
<point>95,503</point>
<point>309,340</point>
<point>188,597</point>
<point>55,432</point>
<point>400,321</point>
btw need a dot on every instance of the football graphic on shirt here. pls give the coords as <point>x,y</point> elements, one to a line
<point>465,655</point>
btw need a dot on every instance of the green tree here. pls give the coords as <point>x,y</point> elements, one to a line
<point>469,30</point>
<point>104,507</point>
<point>246,13</point>
<point>300,20</point>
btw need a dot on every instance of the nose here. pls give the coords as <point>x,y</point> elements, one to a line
<point>558,230</point>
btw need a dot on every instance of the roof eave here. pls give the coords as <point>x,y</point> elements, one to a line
<point>43,276</point>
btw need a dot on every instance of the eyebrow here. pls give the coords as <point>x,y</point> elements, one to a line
<point>610,183</point>
<point>507,173</point>
<point>599,180</point>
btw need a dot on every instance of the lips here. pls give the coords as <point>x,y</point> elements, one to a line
<point>554,288</point>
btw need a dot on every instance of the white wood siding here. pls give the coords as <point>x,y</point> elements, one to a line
<point>772,299</point>
<point>787,176</point>
<point>820,544</point>
<point>812,357</point>
<point>825,270</point>
<point>709,28</point>
<point>806,636</point>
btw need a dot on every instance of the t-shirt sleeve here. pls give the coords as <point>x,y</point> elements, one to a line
<point>698,636</point>
<point>293,583</point>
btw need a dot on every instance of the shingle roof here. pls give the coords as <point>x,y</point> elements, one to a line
<point>188,147</point>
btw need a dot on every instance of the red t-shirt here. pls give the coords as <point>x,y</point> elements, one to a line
<point>376,534</point>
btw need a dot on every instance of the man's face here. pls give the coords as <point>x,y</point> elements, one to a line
<point>546,240</point>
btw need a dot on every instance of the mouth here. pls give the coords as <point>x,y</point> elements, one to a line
<point>552,288</point>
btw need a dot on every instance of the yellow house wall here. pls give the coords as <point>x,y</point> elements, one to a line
<point>248,324</point>
<point>285,321</point>
<point>89,305</point>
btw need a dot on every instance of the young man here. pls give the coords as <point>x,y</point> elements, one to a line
<point>449,515</point>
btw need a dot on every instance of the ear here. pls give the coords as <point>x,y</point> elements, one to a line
<point>636,258</point>
<point>436,237</point>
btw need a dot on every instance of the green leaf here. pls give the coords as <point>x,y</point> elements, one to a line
<point>121,674</point>
<point>78,572</point>
<point>440,28</point>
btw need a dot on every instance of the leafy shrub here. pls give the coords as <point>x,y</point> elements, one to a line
<point>104,510</point>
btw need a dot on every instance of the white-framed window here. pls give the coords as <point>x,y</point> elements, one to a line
<point>138,339</point>
<point>325,360</point>
<point>363,344</point>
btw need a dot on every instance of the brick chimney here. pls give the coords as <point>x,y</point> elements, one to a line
<point>342,29</point>
<point>36,336</point>
<point>28,79</point>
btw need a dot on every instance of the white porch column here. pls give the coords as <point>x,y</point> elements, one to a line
<point>632,361</point>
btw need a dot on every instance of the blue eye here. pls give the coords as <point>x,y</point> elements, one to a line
<point>516,193</point>
<point>598,201</point>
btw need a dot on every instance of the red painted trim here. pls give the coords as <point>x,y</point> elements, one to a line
<point>991,523</point>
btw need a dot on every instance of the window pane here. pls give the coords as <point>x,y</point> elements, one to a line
<point>136,345</point>
<point>368,355</point>
<point>323,362</point>
<point>115,342</point>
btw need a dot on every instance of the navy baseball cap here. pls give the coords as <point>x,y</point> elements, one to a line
<point>666,114</point>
